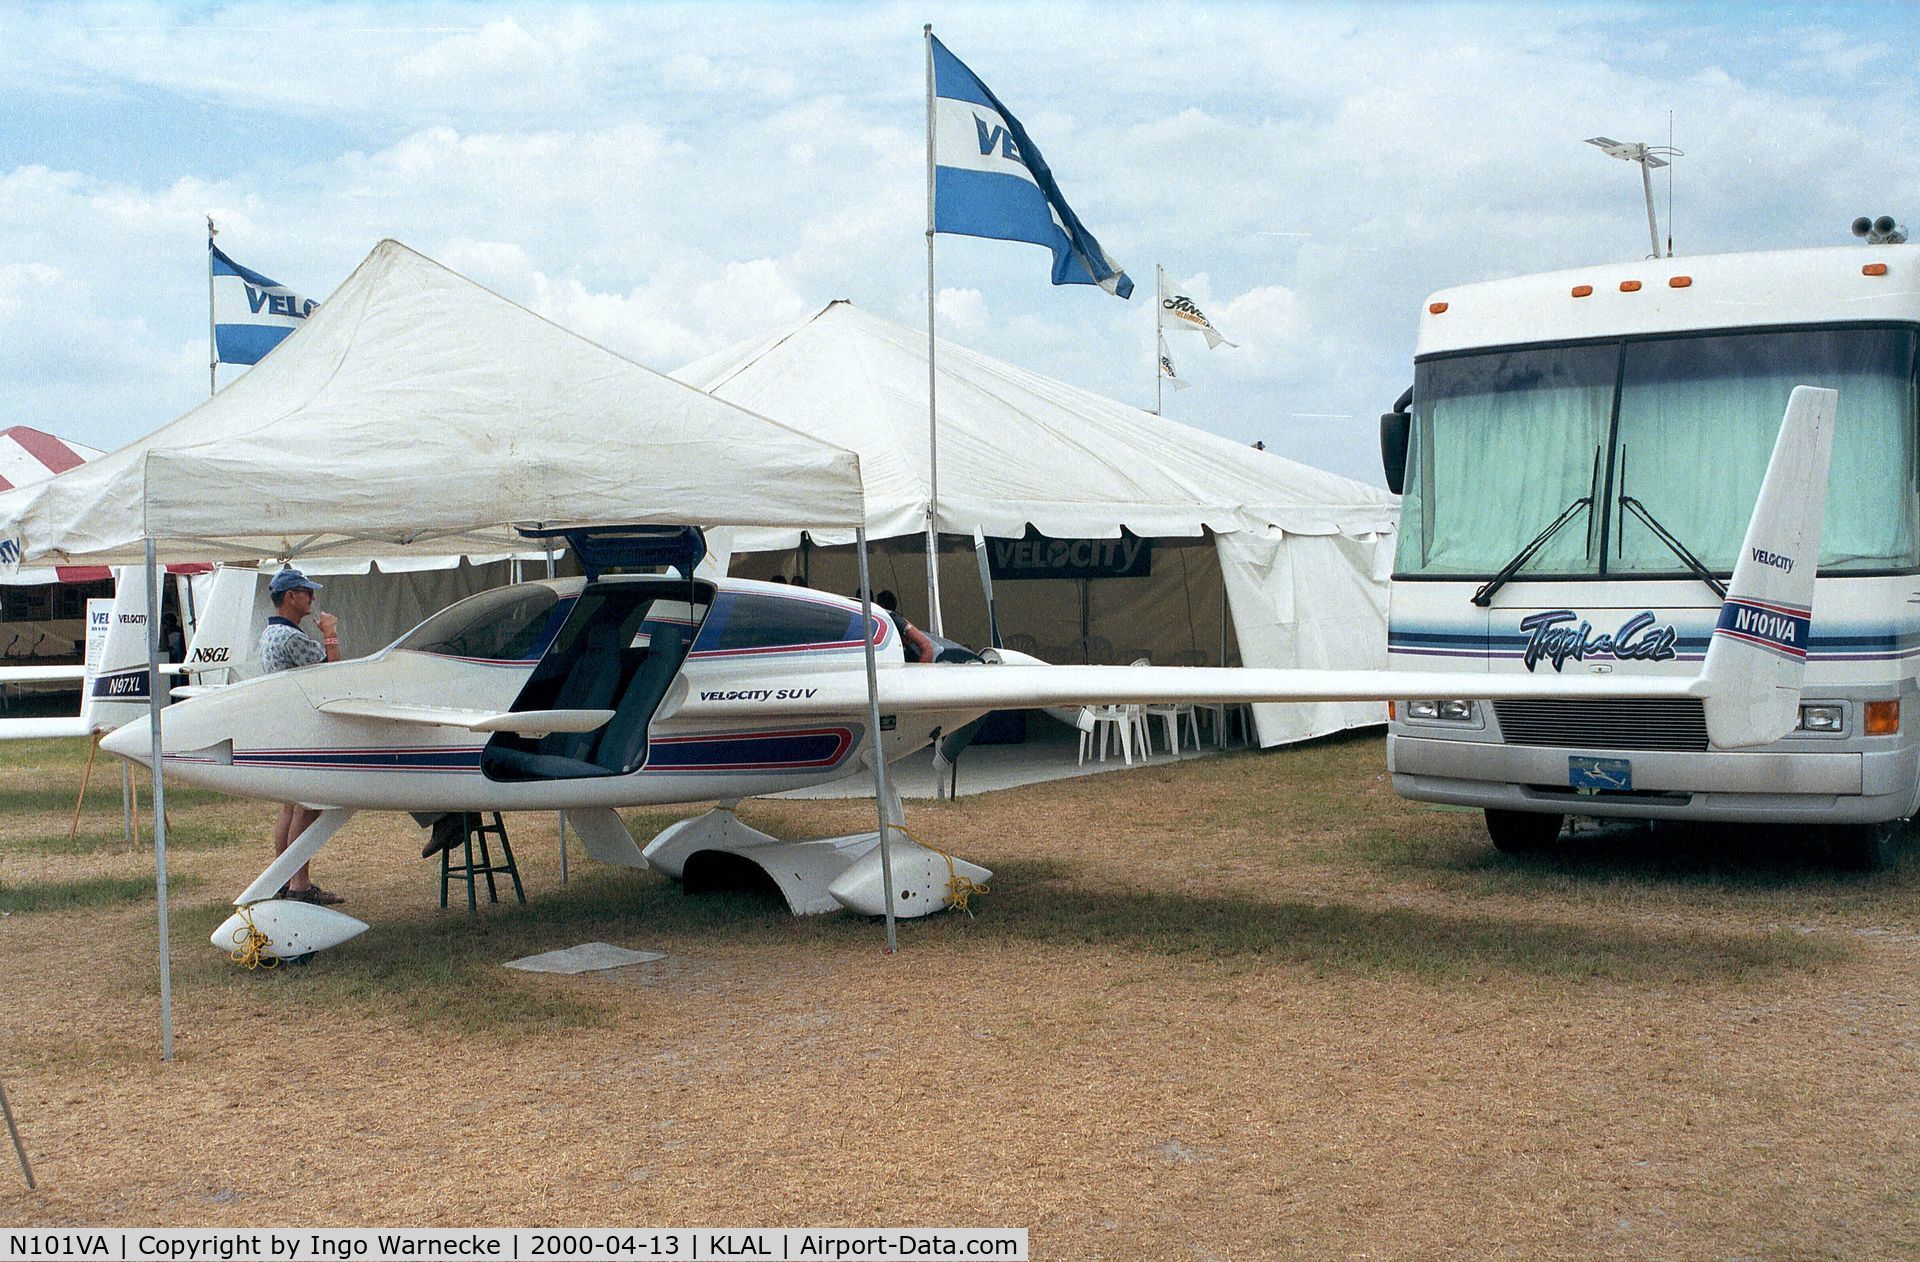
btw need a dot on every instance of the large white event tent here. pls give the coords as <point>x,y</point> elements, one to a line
<point>1304,553</point>
<point>418,411</point>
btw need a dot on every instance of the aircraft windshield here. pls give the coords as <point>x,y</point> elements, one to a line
<point>509,624</point>
<point>1504,440</point>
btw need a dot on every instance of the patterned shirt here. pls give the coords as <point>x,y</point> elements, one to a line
<point>283,645</point>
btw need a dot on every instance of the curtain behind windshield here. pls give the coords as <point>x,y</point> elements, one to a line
<point>1502,444</point>
<point>1698,418</point>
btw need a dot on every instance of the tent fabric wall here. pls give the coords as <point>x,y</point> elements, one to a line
<point>1313,601</point>
<point>1167,617</point>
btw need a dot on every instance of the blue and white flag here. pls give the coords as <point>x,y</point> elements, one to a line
<point>990,181</point>
<point>251,314</point>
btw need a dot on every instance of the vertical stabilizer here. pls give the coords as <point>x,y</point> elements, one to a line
<point>1758,655</point>
<point>118,691</point>
<point>221,639</point>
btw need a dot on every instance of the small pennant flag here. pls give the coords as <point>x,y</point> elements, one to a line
<point>251,314</point>
<point>1166,367</point>
<point>1177,311</point>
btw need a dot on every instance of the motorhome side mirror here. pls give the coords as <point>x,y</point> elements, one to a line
<point>1394,430</point>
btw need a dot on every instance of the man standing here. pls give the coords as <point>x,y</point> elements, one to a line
<point>284,646</point>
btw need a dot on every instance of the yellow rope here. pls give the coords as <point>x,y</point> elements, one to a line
<point>960,889</point>
<point>253,945</point>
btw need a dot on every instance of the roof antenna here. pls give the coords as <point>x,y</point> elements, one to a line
<point>1649,157</point>
<point>1675,153</point>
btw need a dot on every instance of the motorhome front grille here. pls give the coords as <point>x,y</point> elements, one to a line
<point>1679,724</point>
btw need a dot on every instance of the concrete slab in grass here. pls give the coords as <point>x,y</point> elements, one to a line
<point>588,957</point>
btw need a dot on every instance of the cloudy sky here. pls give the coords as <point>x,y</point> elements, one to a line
<point>668,179</point>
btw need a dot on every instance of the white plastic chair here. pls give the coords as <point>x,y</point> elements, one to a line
<point>1173,720</point>
<point>1137,725</point>
<point>1098,723</point>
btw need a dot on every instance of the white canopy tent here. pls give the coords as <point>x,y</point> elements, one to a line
<point>418,411</point>
<point>1304,553</point>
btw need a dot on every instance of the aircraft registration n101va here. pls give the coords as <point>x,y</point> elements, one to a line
<point>585,695</point>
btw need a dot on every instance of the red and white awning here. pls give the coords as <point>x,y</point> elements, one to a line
<point>29,455</point>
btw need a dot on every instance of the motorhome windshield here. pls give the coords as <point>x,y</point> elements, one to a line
<point>1504,440</point>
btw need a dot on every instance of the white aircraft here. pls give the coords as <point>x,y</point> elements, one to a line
<point>114,682</point>
<point>585,695</point>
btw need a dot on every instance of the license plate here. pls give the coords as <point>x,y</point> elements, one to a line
<point>1607,775</point>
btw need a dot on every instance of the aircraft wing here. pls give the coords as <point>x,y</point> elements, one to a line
<point>41,674</point>
<point>524,722</point>
<point>1749,686</point>
<point>1024,683</point>
<point>42,729</point>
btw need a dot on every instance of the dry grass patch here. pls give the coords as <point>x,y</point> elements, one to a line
<point>1253,1006</point>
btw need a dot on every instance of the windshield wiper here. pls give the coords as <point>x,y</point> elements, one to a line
<point>1484,596</point>
<point>1660,532</point>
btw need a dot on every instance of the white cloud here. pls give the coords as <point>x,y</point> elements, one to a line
<point>667,180</point>
<point>960,313</point>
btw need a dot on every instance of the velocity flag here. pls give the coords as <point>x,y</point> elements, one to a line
<point>1166,364</point>
<point>251,314</point>
<point>990,180</point>
<point>1177,311</point>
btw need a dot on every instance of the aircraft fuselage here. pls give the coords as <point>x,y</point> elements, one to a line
<point>635,646</point>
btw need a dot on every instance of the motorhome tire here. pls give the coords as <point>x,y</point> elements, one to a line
<point>1869,847</point>
<point>1522,832</point>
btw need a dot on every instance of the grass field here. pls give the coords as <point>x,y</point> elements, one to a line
<point>1252,1006</point>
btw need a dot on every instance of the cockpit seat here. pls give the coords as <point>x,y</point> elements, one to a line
<point>621,741</point>
<point>590,684</point>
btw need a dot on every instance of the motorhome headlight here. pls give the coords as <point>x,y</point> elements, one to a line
<point>1822,716</point>
<point>1442,711</point>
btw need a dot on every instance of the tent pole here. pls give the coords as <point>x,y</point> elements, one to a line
<point>562,815</point>
<point>933,430</point>
<point>1220,736</point>
<point>1159,341</point>
<point>159,800</point>
<point>986,586</point>
<point>873,721</point>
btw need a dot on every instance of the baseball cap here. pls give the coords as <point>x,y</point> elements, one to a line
<point>288,579</point>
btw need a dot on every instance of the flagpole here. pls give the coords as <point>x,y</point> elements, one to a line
<point>1159,339</point>
<point>213,349</point>
<point>933,429</point>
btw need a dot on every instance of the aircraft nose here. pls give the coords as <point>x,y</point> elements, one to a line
<point>132,741</point>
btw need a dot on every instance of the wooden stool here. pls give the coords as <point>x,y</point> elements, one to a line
<point>478,830</point>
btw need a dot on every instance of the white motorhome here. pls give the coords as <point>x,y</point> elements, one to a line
<point>1580,453</point>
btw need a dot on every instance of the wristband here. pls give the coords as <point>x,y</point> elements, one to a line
<point>332,639</point>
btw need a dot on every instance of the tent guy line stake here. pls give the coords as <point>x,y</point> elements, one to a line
<point>19,1148</point>
<point>86,774</point>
